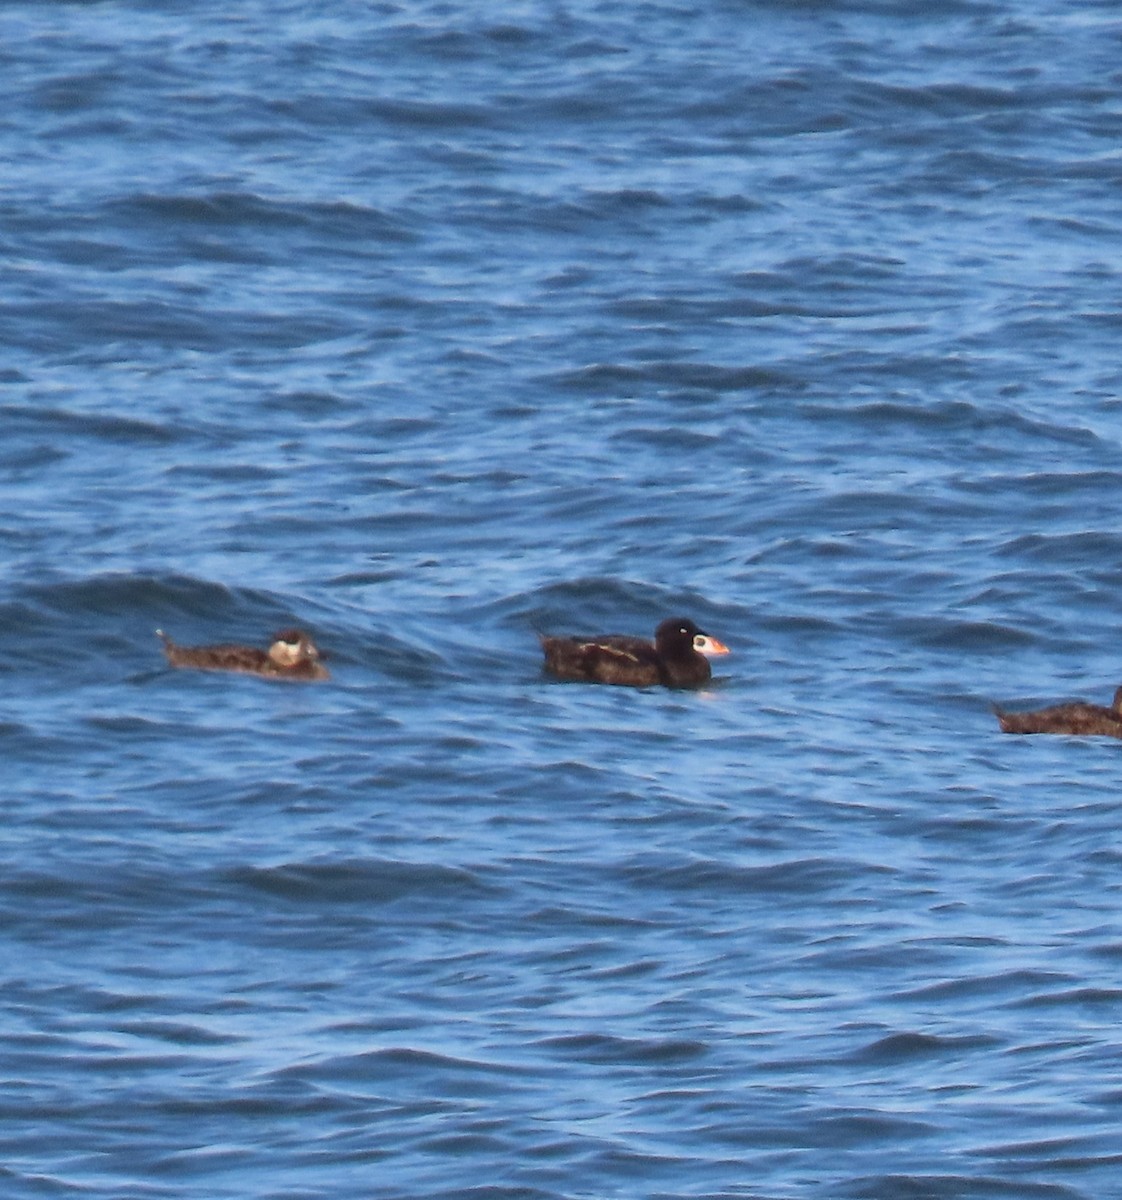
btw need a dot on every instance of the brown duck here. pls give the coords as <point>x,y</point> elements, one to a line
<point>1078,717</point>
<point>677,658</point>
<point>292,655</point>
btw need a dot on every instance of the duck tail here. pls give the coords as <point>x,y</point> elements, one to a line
<point>1008,721</point>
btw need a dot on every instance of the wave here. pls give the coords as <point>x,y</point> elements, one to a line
<point>360,881</point>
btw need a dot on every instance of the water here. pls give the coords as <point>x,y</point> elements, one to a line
<point>428,327</point>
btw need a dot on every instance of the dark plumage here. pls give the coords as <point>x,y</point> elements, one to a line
<point>292,655</point>
<point>1076,718</point>
<point>676,659</point>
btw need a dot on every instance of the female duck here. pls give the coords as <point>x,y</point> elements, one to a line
<point>292,655</point>
<point>1076,718</point>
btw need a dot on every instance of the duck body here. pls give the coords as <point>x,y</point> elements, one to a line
<point>291,655</point>
<point>676,658</point>
<point>1077,718</point>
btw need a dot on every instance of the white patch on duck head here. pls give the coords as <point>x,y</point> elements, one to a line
<point>291,648</point>
<point>709,646</point>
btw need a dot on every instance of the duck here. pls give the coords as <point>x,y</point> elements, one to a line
<point>1078,717</point>
<point>678,657</point>
<point>291,655</point>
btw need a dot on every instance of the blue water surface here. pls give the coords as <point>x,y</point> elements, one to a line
<point>429,327</point>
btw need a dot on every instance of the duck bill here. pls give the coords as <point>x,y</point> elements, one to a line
<point>704,644</point>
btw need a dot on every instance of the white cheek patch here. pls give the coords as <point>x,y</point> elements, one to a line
<point>284,652</point>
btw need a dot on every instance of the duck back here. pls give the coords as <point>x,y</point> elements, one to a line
<point>1077,718</point>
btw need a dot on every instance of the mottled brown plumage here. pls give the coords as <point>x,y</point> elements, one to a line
<point>1079,717</point>
<point>292,655</point>
<point>676,659</point>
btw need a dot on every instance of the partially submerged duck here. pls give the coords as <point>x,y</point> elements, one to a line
<point>677,658</point>
<point>292,655</point>
<point>1078,717</point>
